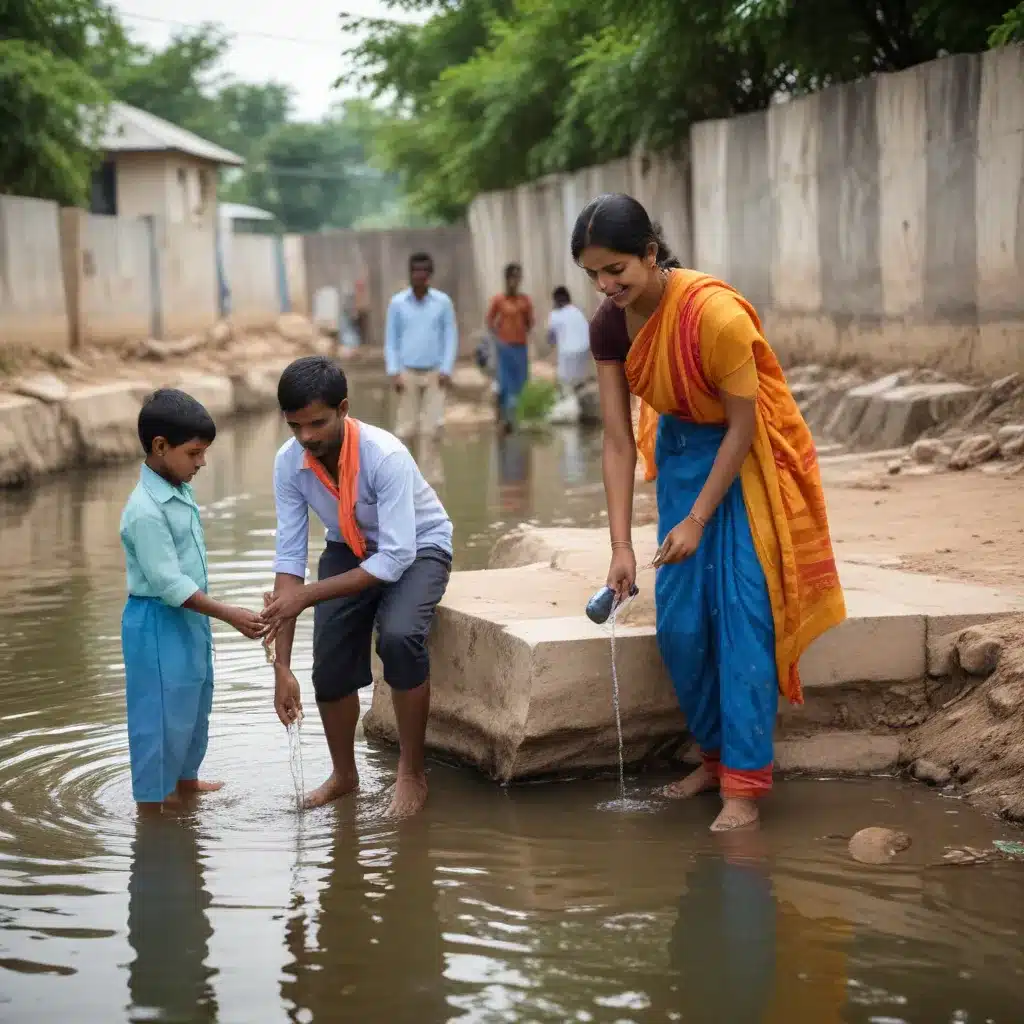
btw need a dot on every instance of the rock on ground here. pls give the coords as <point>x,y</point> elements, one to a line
<point>46,387</point>
<point>878,845</point>
<point>973,451</point>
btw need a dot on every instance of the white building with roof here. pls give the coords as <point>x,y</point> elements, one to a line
<point>153,167</point>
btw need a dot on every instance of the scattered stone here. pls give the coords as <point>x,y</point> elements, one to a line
<point>978,652</point>
<point>1004,700</point>
<point>974,451</point>
<point>255,389</point>
<point>894,466</point>
<point>73,363</point>
<point>930,451</point>
<point>44,386</point>
<point>1005,388</point>
<point>295,328</point>
<point>961,856</point>
<point>220,333</point>
<point>878,845</point>
<point>1011,440</point>
<point>931,772</point>
<point>166,350</point>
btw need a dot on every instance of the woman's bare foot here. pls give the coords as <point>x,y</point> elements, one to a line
<point>700,780</point>
<point>408,796</point>
<point>198,786</point>
<point>736,813</point>
<point>336,786</point>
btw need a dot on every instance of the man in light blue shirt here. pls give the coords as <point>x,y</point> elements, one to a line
<point>387,561</point>
<point>420,345</point>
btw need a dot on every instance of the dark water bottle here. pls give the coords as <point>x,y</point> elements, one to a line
<point>600,606</point>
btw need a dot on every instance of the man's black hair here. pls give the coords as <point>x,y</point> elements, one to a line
<point>311,379</point>
<point>418,258</point>
<point>175,416</point>
<point>561,294</point>
<point>513,268</point>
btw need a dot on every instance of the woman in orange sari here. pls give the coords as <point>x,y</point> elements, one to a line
<point>746,577</point>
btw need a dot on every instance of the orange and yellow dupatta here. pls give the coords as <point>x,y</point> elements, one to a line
<point>346,489</point>
<point>667,369</point>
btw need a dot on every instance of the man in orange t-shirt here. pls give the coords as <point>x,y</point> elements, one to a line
<point>510,320</point>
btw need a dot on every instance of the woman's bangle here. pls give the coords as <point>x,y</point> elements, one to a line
<point>622,544</point>
<point>697,519</point>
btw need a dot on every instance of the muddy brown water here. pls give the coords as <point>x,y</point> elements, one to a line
<point>532,903</point>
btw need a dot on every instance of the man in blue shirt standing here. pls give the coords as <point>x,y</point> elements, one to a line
<point>387,562</point>
<point>420,346</point>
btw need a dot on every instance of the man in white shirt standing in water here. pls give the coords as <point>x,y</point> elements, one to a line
<point>387,562</point>
<point>569,332</point>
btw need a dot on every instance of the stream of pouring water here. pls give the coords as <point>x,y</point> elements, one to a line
<point>294,734</point>
<point>621,804</point>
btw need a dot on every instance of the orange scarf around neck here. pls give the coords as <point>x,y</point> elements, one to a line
<point>346,488</point>
<point>671,369</point>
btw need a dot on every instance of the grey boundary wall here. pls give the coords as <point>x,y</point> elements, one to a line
<point>879,221</point>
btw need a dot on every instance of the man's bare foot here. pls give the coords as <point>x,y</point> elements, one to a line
<point>736,813</point>
<point>700,780</point>
<point>335,787</point>
<point>198,786</point>
<point>408,796</point>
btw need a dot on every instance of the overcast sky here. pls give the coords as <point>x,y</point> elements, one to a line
<point>295,42</point>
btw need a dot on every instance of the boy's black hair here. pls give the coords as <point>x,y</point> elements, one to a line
<point>175,416</point>
<point>561,294</point>
<point>418,258</point>
<point>311,379</point>
<point>512,268</point>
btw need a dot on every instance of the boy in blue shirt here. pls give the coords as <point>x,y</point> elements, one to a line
<point>165,629</point>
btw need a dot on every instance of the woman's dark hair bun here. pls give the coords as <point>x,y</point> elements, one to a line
<point>620,223</point>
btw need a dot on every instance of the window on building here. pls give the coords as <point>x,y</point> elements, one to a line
<point>103,193</point>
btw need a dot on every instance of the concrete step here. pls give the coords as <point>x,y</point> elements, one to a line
<point>521,679</point>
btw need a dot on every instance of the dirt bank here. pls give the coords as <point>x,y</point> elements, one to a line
<point>976,741</point>
<point>63,410</point>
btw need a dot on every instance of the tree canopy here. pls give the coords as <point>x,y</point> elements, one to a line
<point>63,61</point>
<point>489,93</point>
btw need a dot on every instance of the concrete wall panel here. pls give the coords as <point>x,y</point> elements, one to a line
<point>33,310</point>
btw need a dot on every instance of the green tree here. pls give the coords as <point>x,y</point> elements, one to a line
<point>317,175</point>
<point>487,94</point>
<point>1010,29</point>
<point>51,107</point>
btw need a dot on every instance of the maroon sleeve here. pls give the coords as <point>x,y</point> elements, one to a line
<point>609,339</point>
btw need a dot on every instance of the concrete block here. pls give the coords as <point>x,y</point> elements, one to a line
<point>876,648</point>
<point>842,425</point>
<point>837,751</point>
<point>521,681</point>
<point>900,415</point>
<point>34,439</point>
<point>105,420</point>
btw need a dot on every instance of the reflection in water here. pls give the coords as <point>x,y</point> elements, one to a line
<point>168,926</point>
<point>372,943</point>
<point>514,473</point>
<point>525,904</point>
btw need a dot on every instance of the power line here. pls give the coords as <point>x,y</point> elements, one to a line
<point>246,34</point>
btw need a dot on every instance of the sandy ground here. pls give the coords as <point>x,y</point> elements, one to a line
<point>965,526</point>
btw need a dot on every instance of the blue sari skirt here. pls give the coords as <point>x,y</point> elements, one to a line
<point>714,618</point>
<point>168,667</point>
